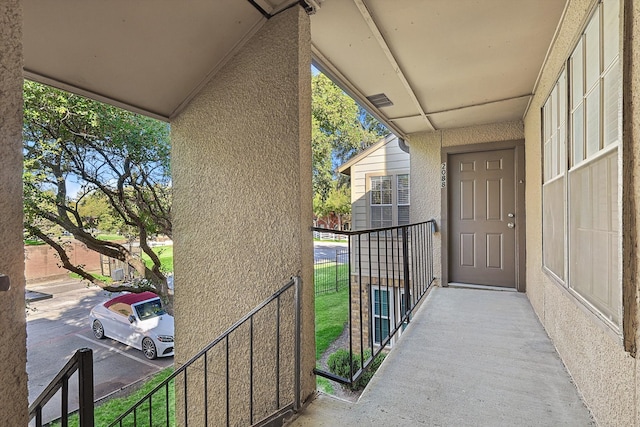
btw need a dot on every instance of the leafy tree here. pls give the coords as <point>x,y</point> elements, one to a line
<point>121,161</point>
<point>338,201</point>
<point>340,129</point>
<point>96,211</point>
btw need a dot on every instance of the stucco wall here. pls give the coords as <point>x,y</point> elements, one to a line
<point>242,193</point>
<point>425,149</point>
<point>604,373</point>
<point>13,376</point>
<point>631,176</point>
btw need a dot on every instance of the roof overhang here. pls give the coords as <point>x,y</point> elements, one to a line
<point>148,56</point>
<point>345,168</point>
<point>443,64</point>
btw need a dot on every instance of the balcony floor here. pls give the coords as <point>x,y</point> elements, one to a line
<point>469,358</point>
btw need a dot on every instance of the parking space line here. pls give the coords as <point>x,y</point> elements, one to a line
<point>118,351</point>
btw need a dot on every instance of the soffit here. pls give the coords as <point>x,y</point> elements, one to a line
<point>453,63</point>
<point>151,56</point>
<point>443,63</point>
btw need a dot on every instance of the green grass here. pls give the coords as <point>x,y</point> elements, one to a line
<point>33,242</point>
<point>113,408</point>
<point>165,253</point>
<point>325,276</point>
<point>324,385</point>
<point>105,279</point>
<point>332,313</point>
<point>110,237</point>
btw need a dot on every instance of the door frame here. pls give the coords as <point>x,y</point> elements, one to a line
<point>519,185</point>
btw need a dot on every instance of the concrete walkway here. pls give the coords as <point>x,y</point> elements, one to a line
<point>469,358</point>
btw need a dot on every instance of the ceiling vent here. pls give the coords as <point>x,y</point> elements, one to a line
<point>380,100</point>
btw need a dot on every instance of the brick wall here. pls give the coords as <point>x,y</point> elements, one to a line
<point>42,262</point>
<point>361,294</point>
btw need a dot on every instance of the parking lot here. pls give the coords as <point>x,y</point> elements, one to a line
<point>59,325</point>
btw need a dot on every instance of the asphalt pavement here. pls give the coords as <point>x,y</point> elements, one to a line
<point>326,250</point>
<point>58,326</point>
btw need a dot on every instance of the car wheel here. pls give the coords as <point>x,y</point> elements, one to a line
<point>149,348</point>
<point>98,329</point>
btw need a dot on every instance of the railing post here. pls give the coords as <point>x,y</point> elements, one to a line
<point>64,397</point>
<point>405,263</point>
<point>85,386</point>
<point>337,287</point>
<point>298,338</point>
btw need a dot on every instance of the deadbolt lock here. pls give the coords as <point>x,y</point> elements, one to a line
<point>510,215</point>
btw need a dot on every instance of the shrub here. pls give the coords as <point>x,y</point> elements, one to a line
<point>371,369</point>
<point>341,363</point>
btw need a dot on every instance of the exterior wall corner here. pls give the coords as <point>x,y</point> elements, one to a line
<point>243,197</point>
<point>13,352</point>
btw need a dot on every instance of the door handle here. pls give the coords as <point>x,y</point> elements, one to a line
<point>511,225</point>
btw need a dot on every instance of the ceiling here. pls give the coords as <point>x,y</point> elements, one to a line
<point>442,63</point>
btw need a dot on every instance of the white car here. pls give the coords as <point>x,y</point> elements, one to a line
<point>138,320</point>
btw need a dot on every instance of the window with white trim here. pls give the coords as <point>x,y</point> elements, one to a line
<point>381,314</point>
<point>381,201</point>
<point>389,203</point>
<point>553,189</point>
<point>387,307</point>
<point>581,142</point>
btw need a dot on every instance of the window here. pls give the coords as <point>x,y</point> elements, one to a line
<point>381,201</point>
<point>581,137</point>
<point>388,307</point>
<point>389,200</point>
<point>553,189</point>
<point>381,315</point>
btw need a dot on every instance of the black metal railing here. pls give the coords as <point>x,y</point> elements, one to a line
<point>249,375</point>
<point>81,362</point>
<point>331,272</point>
<point>390,270</point>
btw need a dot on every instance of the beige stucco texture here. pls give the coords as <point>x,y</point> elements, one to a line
<point>605,375</point>
<point>426,188</point>
<point>242,179</point>
<point>13,352</point>
<point>631,173</point>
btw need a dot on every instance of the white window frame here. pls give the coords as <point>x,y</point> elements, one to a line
<point>396,300</point>
<point>394,187</point>
<point>376,314</point>
<point>589,82</point>
<point>383,222</point>
<point>555,131</point>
